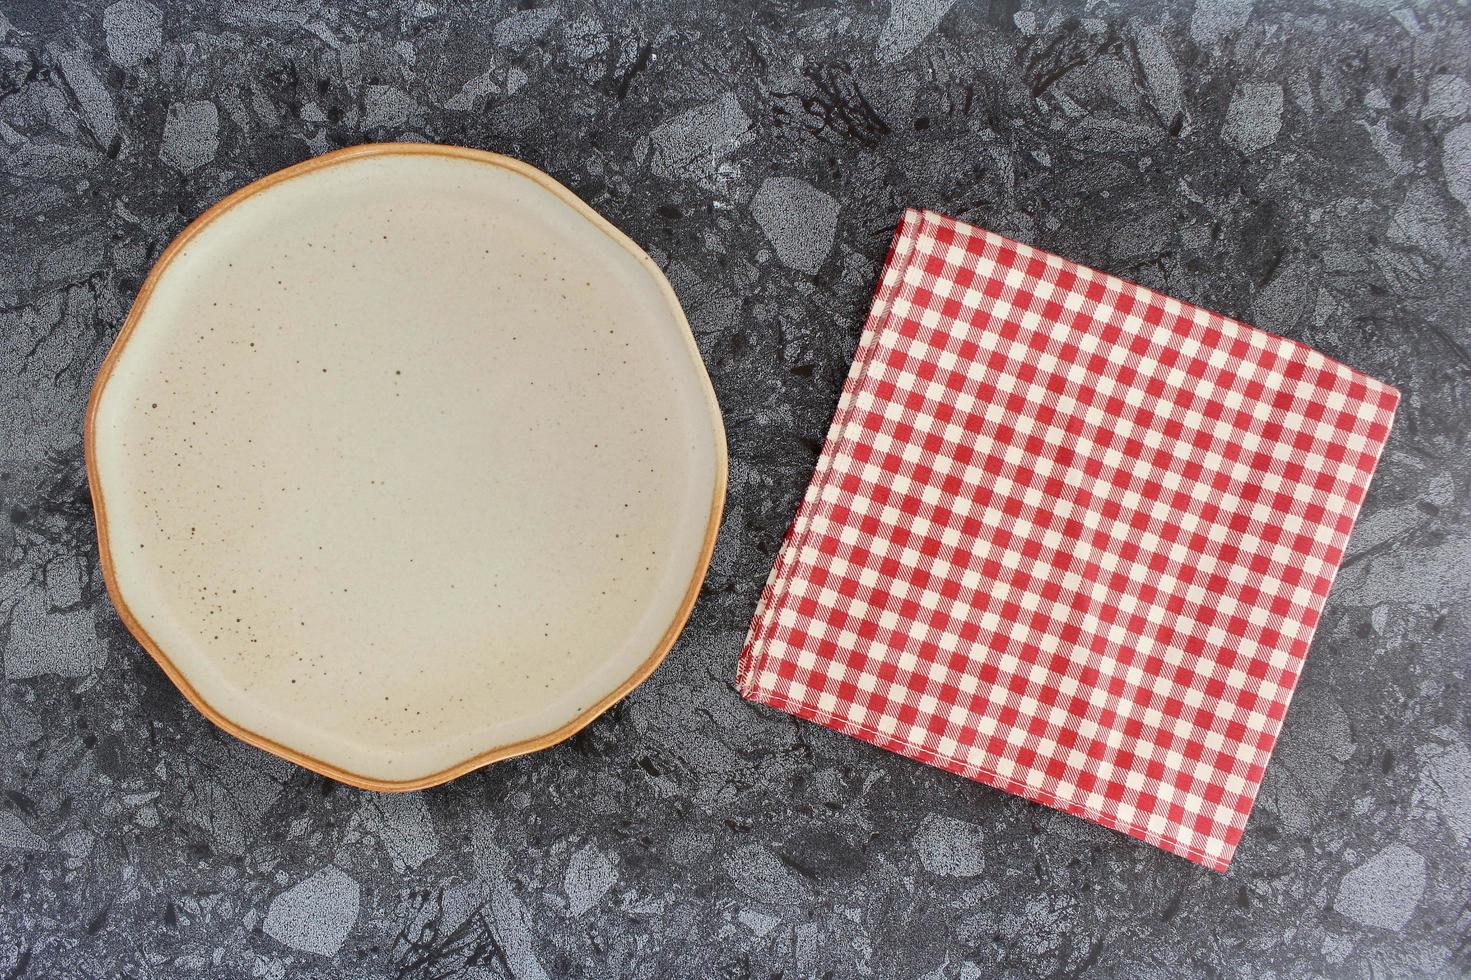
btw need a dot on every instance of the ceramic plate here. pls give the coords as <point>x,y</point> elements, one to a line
<point>405,461</point>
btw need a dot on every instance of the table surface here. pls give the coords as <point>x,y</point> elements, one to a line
<point>1303,167</point>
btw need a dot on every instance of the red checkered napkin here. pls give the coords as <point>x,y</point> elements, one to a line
<point>1067,537</point>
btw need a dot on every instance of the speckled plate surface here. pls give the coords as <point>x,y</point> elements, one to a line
<point>404,462</point>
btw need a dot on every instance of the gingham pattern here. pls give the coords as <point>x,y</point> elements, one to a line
<point>1068,537</point>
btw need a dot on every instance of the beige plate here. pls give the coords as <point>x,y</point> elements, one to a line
<point>404,462</point>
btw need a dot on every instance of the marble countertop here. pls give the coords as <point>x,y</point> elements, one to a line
<point>1302,166</point>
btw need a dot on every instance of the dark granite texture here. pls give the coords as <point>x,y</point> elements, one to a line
<point>1303,166</point>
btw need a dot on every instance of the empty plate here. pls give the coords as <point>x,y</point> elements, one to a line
<point>405,461</point>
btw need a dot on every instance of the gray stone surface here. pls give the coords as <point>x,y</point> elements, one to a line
<point>799,220</point>
<point>1385,890</point>
<point>134,30</point>
<point>315,915</point>
<point>1303,165</point>
<point>949,847</point>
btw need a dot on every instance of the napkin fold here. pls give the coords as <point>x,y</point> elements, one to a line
<point>1068,537</point>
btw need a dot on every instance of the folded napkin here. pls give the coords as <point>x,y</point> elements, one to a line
<point>1067,537</point>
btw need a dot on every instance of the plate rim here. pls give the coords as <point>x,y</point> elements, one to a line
<point>496,753</point>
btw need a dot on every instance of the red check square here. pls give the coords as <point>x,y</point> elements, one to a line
<point>1067,537</point>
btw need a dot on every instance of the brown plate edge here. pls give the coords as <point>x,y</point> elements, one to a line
<point>109,574</point>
